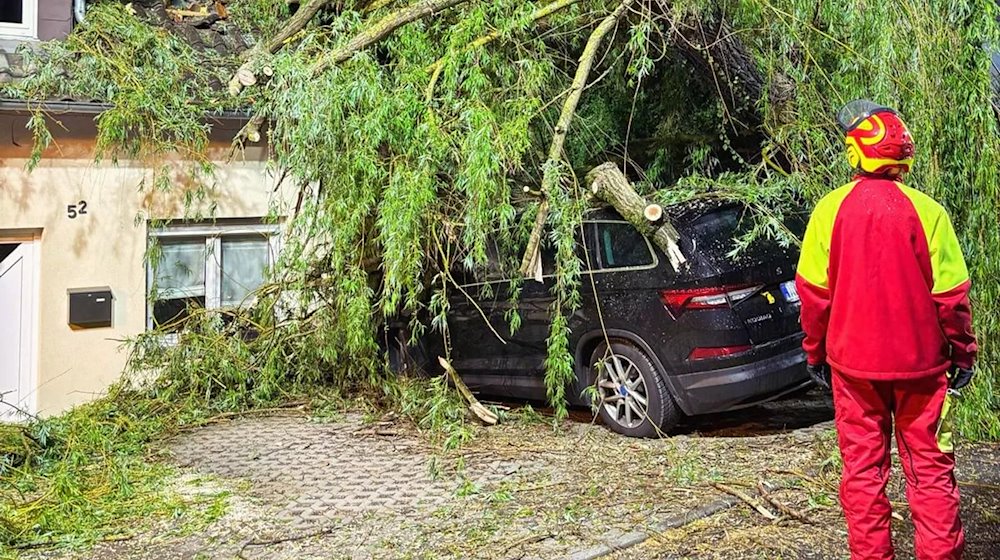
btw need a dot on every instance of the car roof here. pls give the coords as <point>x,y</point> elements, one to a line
<point>682,212</point>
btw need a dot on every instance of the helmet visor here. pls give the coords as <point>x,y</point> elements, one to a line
<point>849,116</point>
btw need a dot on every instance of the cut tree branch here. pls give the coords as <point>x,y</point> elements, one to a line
<point>382,28</point>
<point>609,184</point>
<point>562,127</point>
<point>295,24</point>
<point>541,13</point>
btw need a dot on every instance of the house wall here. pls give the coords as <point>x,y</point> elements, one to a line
<point>104,247</point>
<point>55,19</point>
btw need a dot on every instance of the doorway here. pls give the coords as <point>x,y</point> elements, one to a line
<point>17,329</point>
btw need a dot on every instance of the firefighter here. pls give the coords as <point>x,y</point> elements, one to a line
<point>888,325</point>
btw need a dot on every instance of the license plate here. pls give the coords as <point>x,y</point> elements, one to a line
<point>788,290</point>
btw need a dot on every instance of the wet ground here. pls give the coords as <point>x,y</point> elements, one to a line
<point>302,489</point>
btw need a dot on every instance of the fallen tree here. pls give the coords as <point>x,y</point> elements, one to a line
<point>415,127</point>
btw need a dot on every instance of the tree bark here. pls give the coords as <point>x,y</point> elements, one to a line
<point>562,127</point>
<point>295,24</point>
<point>609,184</point>
<point>724,64</point>
<point>382,28</point>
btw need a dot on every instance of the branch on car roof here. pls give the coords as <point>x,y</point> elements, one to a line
<point>609,184</point>
<point>555,157</point>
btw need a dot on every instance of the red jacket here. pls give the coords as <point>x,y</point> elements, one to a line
<point>884,287</point>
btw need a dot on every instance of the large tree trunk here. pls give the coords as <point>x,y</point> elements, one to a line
<point>609,184</point>
<point>724,64</point>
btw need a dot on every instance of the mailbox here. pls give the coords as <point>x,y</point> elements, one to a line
<point>90,308</point>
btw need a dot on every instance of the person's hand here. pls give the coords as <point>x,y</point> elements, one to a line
<point>820,373</point>
<point>960,377</point>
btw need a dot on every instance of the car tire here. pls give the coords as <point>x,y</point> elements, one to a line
<point>622,379</point>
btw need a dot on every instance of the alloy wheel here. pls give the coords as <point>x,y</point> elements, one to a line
<point>623,391</point>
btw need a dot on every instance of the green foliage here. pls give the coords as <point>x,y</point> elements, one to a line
<point>413,153</point>
<point>86,475</point>
<point>159,89</point>
<point>230,361</point>
<point>260,18</point>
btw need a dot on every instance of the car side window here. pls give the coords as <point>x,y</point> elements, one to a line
<point>621,246</point>
<point>549,252</point>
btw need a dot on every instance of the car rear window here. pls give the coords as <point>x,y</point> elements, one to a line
<point>621,246</point>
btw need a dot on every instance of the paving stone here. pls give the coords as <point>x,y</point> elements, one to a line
<point>311,472</point>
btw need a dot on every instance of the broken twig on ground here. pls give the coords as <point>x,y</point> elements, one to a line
<point>762,488</point>
<point>484,414</point>
<point>747,499</point>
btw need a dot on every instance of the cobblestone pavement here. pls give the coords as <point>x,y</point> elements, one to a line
<point>316,473</point>
<point>302,489</point>
<point>298,488</point>
<point>295,488</point>
<point>347,490</point>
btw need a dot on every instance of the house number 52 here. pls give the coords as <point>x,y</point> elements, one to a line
<point>78,209</point>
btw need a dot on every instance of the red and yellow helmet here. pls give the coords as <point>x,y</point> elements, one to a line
<point>878,142</point>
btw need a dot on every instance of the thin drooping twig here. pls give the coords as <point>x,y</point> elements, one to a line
<point>562,127</point>
<point>746,499</point>
<point>382,28</point>
<point>762,488</point>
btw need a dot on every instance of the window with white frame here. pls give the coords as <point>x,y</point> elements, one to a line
<point>208,266</point>
<point>19,18</point>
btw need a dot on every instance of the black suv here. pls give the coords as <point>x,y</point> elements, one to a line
<point>720,335</point>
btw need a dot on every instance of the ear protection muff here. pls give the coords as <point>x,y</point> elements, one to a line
<point>853,156</point>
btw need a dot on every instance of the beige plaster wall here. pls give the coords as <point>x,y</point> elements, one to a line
<point>102,248</point>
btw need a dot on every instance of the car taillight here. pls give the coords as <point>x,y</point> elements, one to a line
<point>718,352</point>
<point>679,301</point>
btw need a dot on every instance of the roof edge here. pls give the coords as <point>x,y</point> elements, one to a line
<point>22,107</point>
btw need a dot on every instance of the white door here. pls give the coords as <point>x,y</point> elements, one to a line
<point>16,314</point>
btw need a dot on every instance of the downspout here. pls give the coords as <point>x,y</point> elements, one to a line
<point>79,10</point>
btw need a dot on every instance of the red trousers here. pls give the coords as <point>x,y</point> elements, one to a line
<point>864,415</point>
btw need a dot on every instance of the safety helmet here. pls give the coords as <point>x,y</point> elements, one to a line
<point>878,142</point>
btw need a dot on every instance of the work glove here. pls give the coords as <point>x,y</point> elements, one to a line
<point>820,373</point>
<point>960,377</point>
